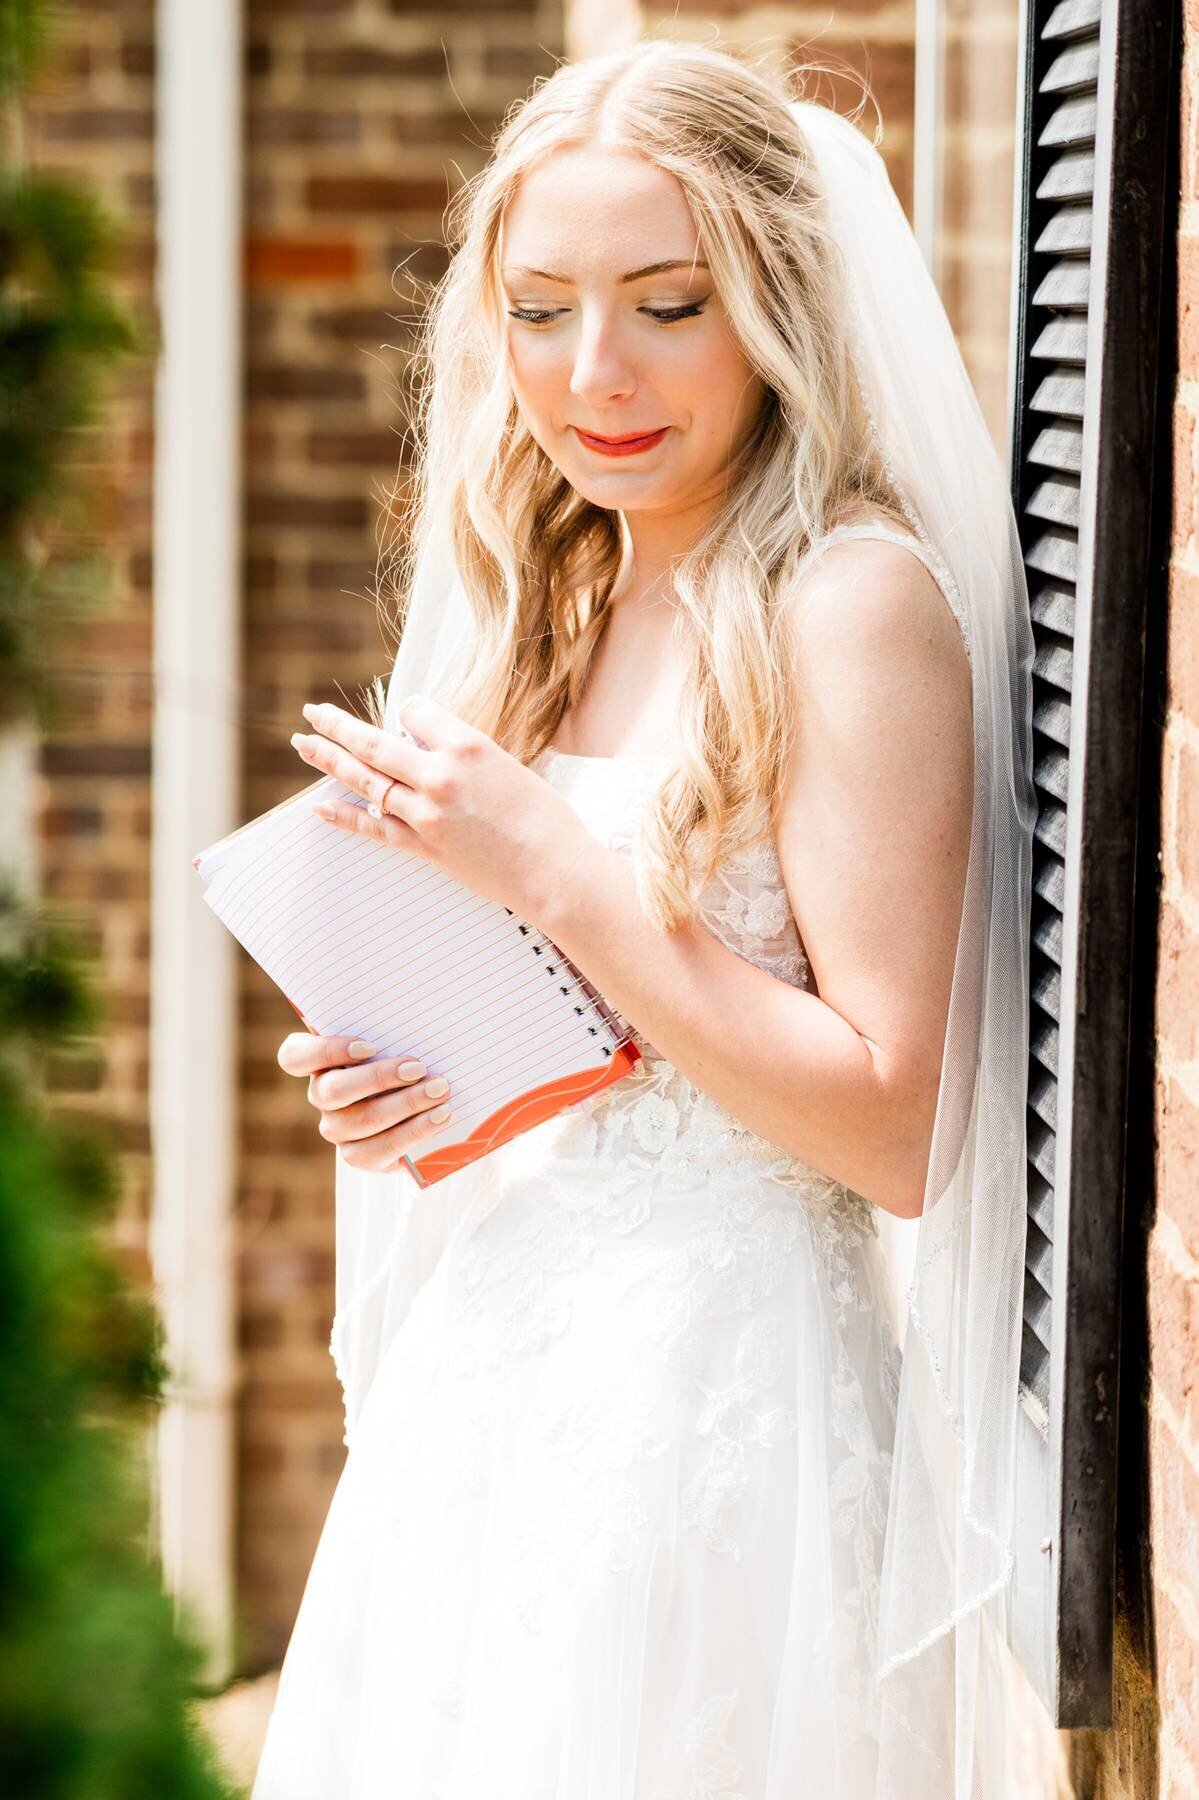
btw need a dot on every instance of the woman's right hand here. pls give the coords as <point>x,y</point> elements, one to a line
<point>375,1111</point>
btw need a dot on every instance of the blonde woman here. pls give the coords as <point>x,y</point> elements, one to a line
<point>717,643</point>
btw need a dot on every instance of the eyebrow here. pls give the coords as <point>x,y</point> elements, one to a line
<point>657,268</point>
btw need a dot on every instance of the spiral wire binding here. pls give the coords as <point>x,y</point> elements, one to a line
<point>592,1001</point>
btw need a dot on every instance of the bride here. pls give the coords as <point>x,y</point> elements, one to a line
<point>718,653</point>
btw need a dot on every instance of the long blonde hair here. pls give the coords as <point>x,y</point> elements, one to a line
<point>538,561</point>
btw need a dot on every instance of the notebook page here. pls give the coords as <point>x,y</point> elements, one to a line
<point>369,941</point>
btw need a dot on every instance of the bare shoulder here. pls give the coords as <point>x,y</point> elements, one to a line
<point>870,608</point>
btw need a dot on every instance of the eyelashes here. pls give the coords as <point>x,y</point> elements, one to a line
<point>664,316</point>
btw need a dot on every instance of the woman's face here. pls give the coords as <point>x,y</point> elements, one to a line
<point>626,369</point>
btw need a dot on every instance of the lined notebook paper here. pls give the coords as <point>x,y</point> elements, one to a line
<point>369,941</point>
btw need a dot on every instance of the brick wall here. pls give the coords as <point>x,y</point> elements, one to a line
<point>1174,1245</point>
<point>1173,1260</point>
<point>92,117</point>
<point>978,167</point>
<point>356,118</point>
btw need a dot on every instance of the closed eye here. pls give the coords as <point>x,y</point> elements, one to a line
<point>664,316</point>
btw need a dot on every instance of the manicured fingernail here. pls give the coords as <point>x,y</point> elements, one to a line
<point>410,1071</point>
<point>308,711</point>
<point>298,741</point>
<point>323,810</point>
<point>437,1087</point>
<point>439,1115</point>
<point>359,1050</point>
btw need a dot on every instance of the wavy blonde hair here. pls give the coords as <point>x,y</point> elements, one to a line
<point>537,560</point>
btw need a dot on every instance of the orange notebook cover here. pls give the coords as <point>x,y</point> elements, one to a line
<point>368,941</point>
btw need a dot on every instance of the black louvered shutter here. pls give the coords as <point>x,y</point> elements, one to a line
<point>1093,155</point>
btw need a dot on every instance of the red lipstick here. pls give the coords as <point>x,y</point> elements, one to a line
<point>631,444</point>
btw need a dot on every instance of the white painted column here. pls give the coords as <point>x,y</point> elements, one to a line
<point>197,505</point>
<point>928,161</point>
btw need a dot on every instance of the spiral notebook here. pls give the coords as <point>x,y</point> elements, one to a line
<point>372,942</point>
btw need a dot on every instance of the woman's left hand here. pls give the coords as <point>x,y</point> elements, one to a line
<point>462,803</point>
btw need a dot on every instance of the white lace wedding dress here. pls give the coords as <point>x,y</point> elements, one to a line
<point>611,1525</point>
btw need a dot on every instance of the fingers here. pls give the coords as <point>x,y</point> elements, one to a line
<point>303,1053</point>
<point>387,830</point>
<point>384,1151</point>
<point>343,1086</point>
<point>432,724</point>
<point>386,752</point>
<point>375,1117</point>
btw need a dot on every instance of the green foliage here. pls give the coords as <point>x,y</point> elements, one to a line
<point>58,331</point>
<point>95,1679</point>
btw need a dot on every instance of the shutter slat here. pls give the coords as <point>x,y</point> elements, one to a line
<point>1042,1098</point>
<point>1054,607</point>
<point>1051,716</point>
<point>1047,936</point>
<point>1051,771</point>
<point>1050,882</point>
<point>1071,17</point>
<point>1075,69</point>
<point>1063,341</point>
<point>1050,829</point>
<point>1054,663</point>
<point>1047,988</point>
<point>1068,232</point>
<point>1071,176</point>
<point>1067,285</point>
<point>1073,122</point>
<point>1042,1146</point>
<point>1037,1308</point>
<point>1044,1044</point>
<point>1056,501</point>
<point>1055,553</point>
<point>1038,1258</point>
<point>1061,392</point>
<point>1058,447</point>
<point>1040,1205</point>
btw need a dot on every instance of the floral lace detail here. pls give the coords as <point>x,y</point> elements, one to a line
<point>713,1767</point>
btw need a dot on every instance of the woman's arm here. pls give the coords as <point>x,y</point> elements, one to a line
<point>873,841</point>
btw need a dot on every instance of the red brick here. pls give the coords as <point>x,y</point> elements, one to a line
<point>98,124</point>
<point>1174,1331</point>
<point>365,62</point>
<point>1186,470</point>
<point>360,192</point>
<point>1177,986</point>
<point>1178,1671</point>
<point>366,447</point>
<point>304,512</point>
<point>1186,846</point>
<point>1182,649</point>
<point>1188,307</point>
<point>1175,1506</point>
<point>1177,1119</point>
<point>302,125</point>
<point>270,261</point>
<point>290,381</point>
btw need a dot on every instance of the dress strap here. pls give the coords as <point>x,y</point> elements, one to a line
<point>906,540</point>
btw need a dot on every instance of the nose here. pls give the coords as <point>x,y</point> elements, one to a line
<point>602,373</point>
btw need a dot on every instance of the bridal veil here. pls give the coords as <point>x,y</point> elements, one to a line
<point>949,1543</point>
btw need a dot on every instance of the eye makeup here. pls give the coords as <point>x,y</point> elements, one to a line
<point>663,315</point>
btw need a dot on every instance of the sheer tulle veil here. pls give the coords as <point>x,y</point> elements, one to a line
<point>949,1545</point>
